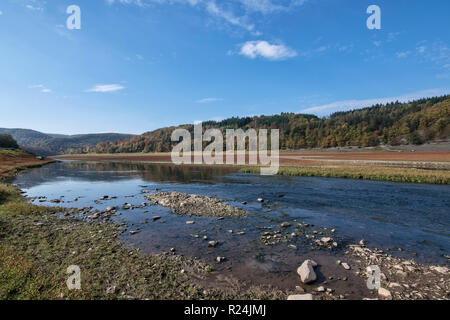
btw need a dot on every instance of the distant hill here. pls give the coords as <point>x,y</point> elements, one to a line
<point>52,144</point>
<point>396,123</point>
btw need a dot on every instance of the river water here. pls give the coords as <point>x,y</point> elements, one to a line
<point>413,217</point>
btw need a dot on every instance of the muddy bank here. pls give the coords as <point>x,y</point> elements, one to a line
<point>196,205</point>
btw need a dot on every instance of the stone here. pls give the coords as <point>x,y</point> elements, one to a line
<point>111,290</point>
<point>213,244</point>
<point>384,293</point>
<point>220,259</point>
<point>306,296</point>
<point>345,265</point>
<point>442,270</point>
<point>109,209</point>
<point>326,239</point>
<point>285,225</point>
<point>155,218</point>
<point>306,272</point>
<point>260,200</point>
<point>299,289</point>
<point>320,289</point>
<point>190,222</point>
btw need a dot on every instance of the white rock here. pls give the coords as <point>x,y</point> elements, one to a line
<point>306,296</point>
<point>326,239</point>
<point>442,270</point>
<point>306,272</point>
<point>213,244</point>
<point>345,265</point>
<point>384,293</point>
<point>320,289</point>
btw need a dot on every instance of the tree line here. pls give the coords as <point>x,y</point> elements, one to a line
<point>395,123</point>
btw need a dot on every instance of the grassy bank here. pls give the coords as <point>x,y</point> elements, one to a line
<point>13,162</point>
<point>410,175</point>
<point>38,244</point>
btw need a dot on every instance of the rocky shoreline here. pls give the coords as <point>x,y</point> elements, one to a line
<point>402,279</point>
<point>387,277</point>
<point>195,205</point>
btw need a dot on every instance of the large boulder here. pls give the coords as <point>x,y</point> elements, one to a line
<point>306,271</point>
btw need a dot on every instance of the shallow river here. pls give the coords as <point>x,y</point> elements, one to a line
<point>413,217</point>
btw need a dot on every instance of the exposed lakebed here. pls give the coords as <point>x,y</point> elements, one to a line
<point>259,247</point>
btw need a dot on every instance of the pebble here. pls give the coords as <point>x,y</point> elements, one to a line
<point>384,293</point>
<point>213,244</point>
<point>306,296</point>
<point>345,265</point>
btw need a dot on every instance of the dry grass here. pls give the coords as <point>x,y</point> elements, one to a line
<point>14,161</point>
<point>410,175</point>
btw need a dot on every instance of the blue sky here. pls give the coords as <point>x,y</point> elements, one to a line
<point>137,65</point>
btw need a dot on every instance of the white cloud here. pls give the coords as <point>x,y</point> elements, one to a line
<point>356,104</point>
<point>42,88</point>
<point>213,9</point>
<point>226,10</point>
<point>254,49</point>
<point>270,6</point>
<point>34,8</point>
<point>208,100</point>
<point>139,3</point>
<point>1,12</point>
<point>421,49</point>
<point>106,88</point>
<point>36,86</point>
<point>403,54</point>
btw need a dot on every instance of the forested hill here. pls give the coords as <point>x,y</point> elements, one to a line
<point>52,144</point>
<point>416,122</point>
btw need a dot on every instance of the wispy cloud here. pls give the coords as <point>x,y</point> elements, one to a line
<point>434,52</point>
<point>234,12</point>
<point>254,49</point>
<point>135,2</point>
<point>34,7</point>
<point>42,88</point>
<point>208,100</point>
<point>403,54</point>
<point>271,6</point>
<point>1,12</point>
<point>104,88</point>
<point>355,104</point>
<point>213,9</point>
